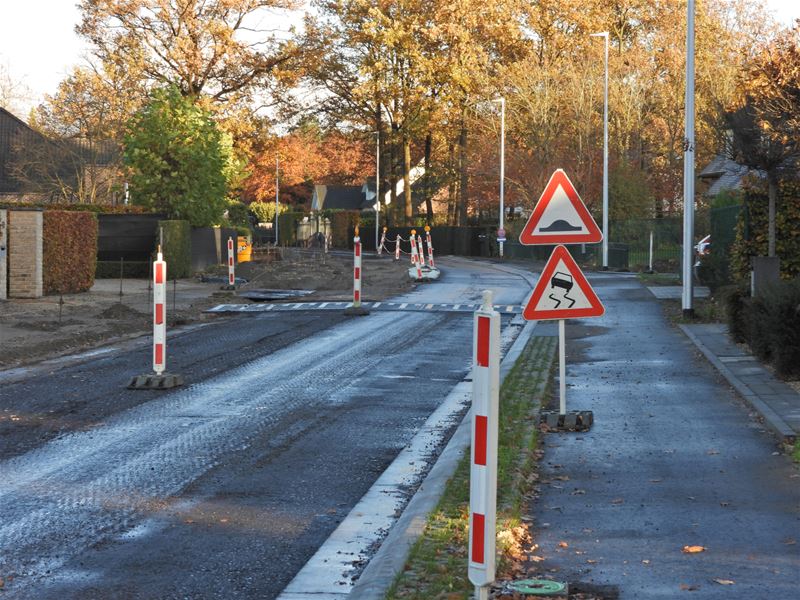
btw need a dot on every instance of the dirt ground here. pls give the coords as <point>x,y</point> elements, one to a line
<point>33,330</point>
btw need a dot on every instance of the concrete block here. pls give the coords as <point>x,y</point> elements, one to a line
<point>766,272</point>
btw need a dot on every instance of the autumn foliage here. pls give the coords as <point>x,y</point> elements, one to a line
<point>307,156</point>
<point>69,251</point>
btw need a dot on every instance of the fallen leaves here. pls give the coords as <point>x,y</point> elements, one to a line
<point>563,545</point>
<point>724,581</point>
<point>693,549</point>
<point>618,501</point>
<point>689,588</point>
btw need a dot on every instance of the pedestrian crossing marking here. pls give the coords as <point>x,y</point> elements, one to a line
<point>379,306</point>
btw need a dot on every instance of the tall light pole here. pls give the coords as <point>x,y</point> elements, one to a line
<point>688,169</point>
<point>604,34</point>
<point>377,186</point>
<point>277,191</point>
<point>501,231</point>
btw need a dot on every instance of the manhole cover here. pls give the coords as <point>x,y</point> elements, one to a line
<point>538,587</point>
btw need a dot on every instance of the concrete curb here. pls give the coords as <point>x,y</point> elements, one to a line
<point>773,419</point>
<point>390,559</point>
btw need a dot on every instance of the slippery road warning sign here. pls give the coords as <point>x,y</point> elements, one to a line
<point>562,291</point>
<point>560,216</point>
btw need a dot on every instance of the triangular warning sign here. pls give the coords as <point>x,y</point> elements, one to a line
<point>562,291</point>
<point>560,216</point>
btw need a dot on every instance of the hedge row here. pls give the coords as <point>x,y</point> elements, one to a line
<point>769,324</point>
<point>106,209</point>
<point>752,230</point>
<point>69,251</point>
<point>177,248</point>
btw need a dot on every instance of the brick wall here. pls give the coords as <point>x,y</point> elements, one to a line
<point>3,254</point>
<point>25,254</point>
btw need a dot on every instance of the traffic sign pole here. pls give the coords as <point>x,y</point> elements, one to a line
<point>562,368</point>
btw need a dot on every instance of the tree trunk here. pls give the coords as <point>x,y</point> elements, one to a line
<point>428,201</point>
<point>392,175</point>
<point>461,209</point>
<point>409,213</point>
<point>773,199</point>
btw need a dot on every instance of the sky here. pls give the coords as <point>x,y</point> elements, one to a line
<point>38,43</point>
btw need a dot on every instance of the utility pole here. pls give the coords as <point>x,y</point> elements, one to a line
<point>688,169</point>
<point>604,34</point>
<point>377,186</point>
<point>277,190</point>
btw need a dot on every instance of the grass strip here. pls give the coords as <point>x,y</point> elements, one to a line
<point>437,564</point>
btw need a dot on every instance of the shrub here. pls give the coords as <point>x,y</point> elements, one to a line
<point>751,230</point>
<point>69,251</point>
<point>264,212</point>
<point>783,308</point>
<point>238,215</point>
<point>177,248</point>
<point>758,324</point>
<point>287,227</point>
<point>732,298</point>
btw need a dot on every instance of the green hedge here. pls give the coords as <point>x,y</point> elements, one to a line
<point>134,269</point>
<point>287,227</point>
<point>770,324</point>
<point>342,222</point>
<point>106,209</point>
<point>69,251</point>
<point>752,230</point>
<point>177,248</point>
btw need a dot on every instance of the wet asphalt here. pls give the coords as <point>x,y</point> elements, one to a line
<point>223,488</point>
<point>674,459</point>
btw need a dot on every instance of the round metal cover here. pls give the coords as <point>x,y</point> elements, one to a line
<point>537,587</point>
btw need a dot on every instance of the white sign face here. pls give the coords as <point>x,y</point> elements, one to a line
<point>562,291</point>
<point>560,216</point>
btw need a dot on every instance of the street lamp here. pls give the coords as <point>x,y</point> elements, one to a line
<point>277,190</point>
<point>604,34</point>
<point>688,168</point>
<point>501,237</point>
<point>377,186</point>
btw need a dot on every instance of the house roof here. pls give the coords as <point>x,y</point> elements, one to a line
<point>343,197</point>
<point>10,127</point>
<point>723,174</point>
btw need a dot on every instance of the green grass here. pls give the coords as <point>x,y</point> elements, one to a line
<point>796,451</point>
<point>437,565</point>
<point>659,278</point>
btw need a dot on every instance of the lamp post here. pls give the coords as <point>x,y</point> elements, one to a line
<point>277,190</point>
<point>501,231</point>
<point>604,34</point>
<point>377,186</point>
<point>688,169</point>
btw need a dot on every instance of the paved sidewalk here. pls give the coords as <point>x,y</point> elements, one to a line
<point>673,461</point>
<point>778,403</point>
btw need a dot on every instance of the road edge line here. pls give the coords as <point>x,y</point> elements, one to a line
<point>384,566</point>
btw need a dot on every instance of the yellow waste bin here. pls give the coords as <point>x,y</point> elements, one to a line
<point>244,249</point>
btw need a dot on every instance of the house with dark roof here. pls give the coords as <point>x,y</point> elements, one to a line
<point>723,175</point>
<point>341,197</point>
<point>12,129</point>
<point>54,168</point>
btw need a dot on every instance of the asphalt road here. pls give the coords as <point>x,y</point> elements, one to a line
<point>674,459</point>
<point>224,488</point>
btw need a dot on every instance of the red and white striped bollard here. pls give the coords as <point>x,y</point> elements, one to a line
<point>231,275</point>
<point>430,247</point>
<point>414,257</point>
<point>159,314</point>
<point>483,455</point>
<point>383,241</point>
<point>356,270</point>
<point>397,247</point>
<point>420,251</point>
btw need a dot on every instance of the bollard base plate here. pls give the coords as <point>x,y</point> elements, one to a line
<point>165,381</point>
<point>572,421</point>
<point>228,288</point>
<point>356,311</point>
